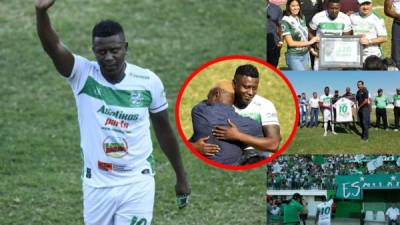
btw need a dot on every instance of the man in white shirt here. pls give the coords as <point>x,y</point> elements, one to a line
<point>314,109</point>
<point>330,22</point>
<point>249,104</point>
<point>115,102</point>
<point>393,214</point>
<point>371,27</point>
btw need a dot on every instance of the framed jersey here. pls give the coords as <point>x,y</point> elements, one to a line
<point>340,52</point>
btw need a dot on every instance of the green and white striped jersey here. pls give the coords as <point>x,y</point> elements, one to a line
<point>324,25</point>
<point>325,211</point>
<point>114,122</point>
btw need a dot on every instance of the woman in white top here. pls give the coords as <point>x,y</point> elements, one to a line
<point>295,33</point>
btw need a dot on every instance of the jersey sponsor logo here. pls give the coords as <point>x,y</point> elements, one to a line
<point>110,96</point>
<point>104,166</point>
<point>137,98</point>
<point>116,123</point>
<point>118,114</point>
<point>141,76</point>
<point>112,166</point>
<point>115,147</point>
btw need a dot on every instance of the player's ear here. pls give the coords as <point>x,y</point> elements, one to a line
<point>218,92</point>
<point>126,46</point>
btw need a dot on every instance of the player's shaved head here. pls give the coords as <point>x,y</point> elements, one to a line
<point>222,92</point>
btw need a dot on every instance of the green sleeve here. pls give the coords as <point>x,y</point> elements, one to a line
<point>285,28</point>
<point>299,207</point>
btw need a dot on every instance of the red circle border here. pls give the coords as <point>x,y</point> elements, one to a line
<point>220,165</point>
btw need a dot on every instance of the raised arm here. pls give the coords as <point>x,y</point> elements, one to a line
<point>59,54</point>
<point>169,145</point>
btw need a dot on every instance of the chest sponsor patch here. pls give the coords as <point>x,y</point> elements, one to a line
<point>115,147</point>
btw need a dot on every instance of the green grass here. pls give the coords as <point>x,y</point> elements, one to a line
<point>40,159</point>
<point>378,9</point>
<point>271,86</point>
<point>311,141</point>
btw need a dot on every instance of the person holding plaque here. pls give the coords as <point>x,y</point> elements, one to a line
<point>309,8</point>
<point>295,33</point>
<point>352,97</point>
<point>392,9</point>
<point>371,27</point>
<point>330,22</point>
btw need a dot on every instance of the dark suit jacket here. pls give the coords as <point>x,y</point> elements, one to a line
<point>206,117</point>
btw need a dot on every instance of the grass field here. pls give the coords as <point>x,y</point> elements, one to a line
<point>40,158</point>
<point>311,141</point>
<point>378,9</point>
<point>271,86</point>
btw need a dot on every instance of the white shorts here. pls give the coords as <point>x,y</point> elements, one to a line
<point>130,204</point>
<point>327,115</point>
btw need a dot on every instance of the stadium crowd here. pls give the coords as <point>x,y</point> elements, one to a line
<point>302,23</point>
<point>296,172</point>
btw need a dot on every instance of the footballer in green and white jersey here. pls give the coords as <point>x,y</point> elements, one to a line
<point>324,212</point>
<point>326,100</point>
<point>261,110</point>
<point>323,24</point>
<point>327,104</point>
<point>114,122</point>
<point>371,26</point>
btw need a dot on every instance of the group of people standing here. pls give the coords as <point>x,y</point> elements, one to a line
<point>334,106</point>
<point>303,22</point>
<point>294,211</point>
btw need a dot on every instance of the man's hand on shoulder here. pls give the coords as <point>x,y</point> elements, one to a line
<point>44,4</point>
<point>205,148</point>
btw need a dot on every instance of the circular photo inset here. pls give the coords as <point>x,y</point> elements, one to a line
<point>236,112</point>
